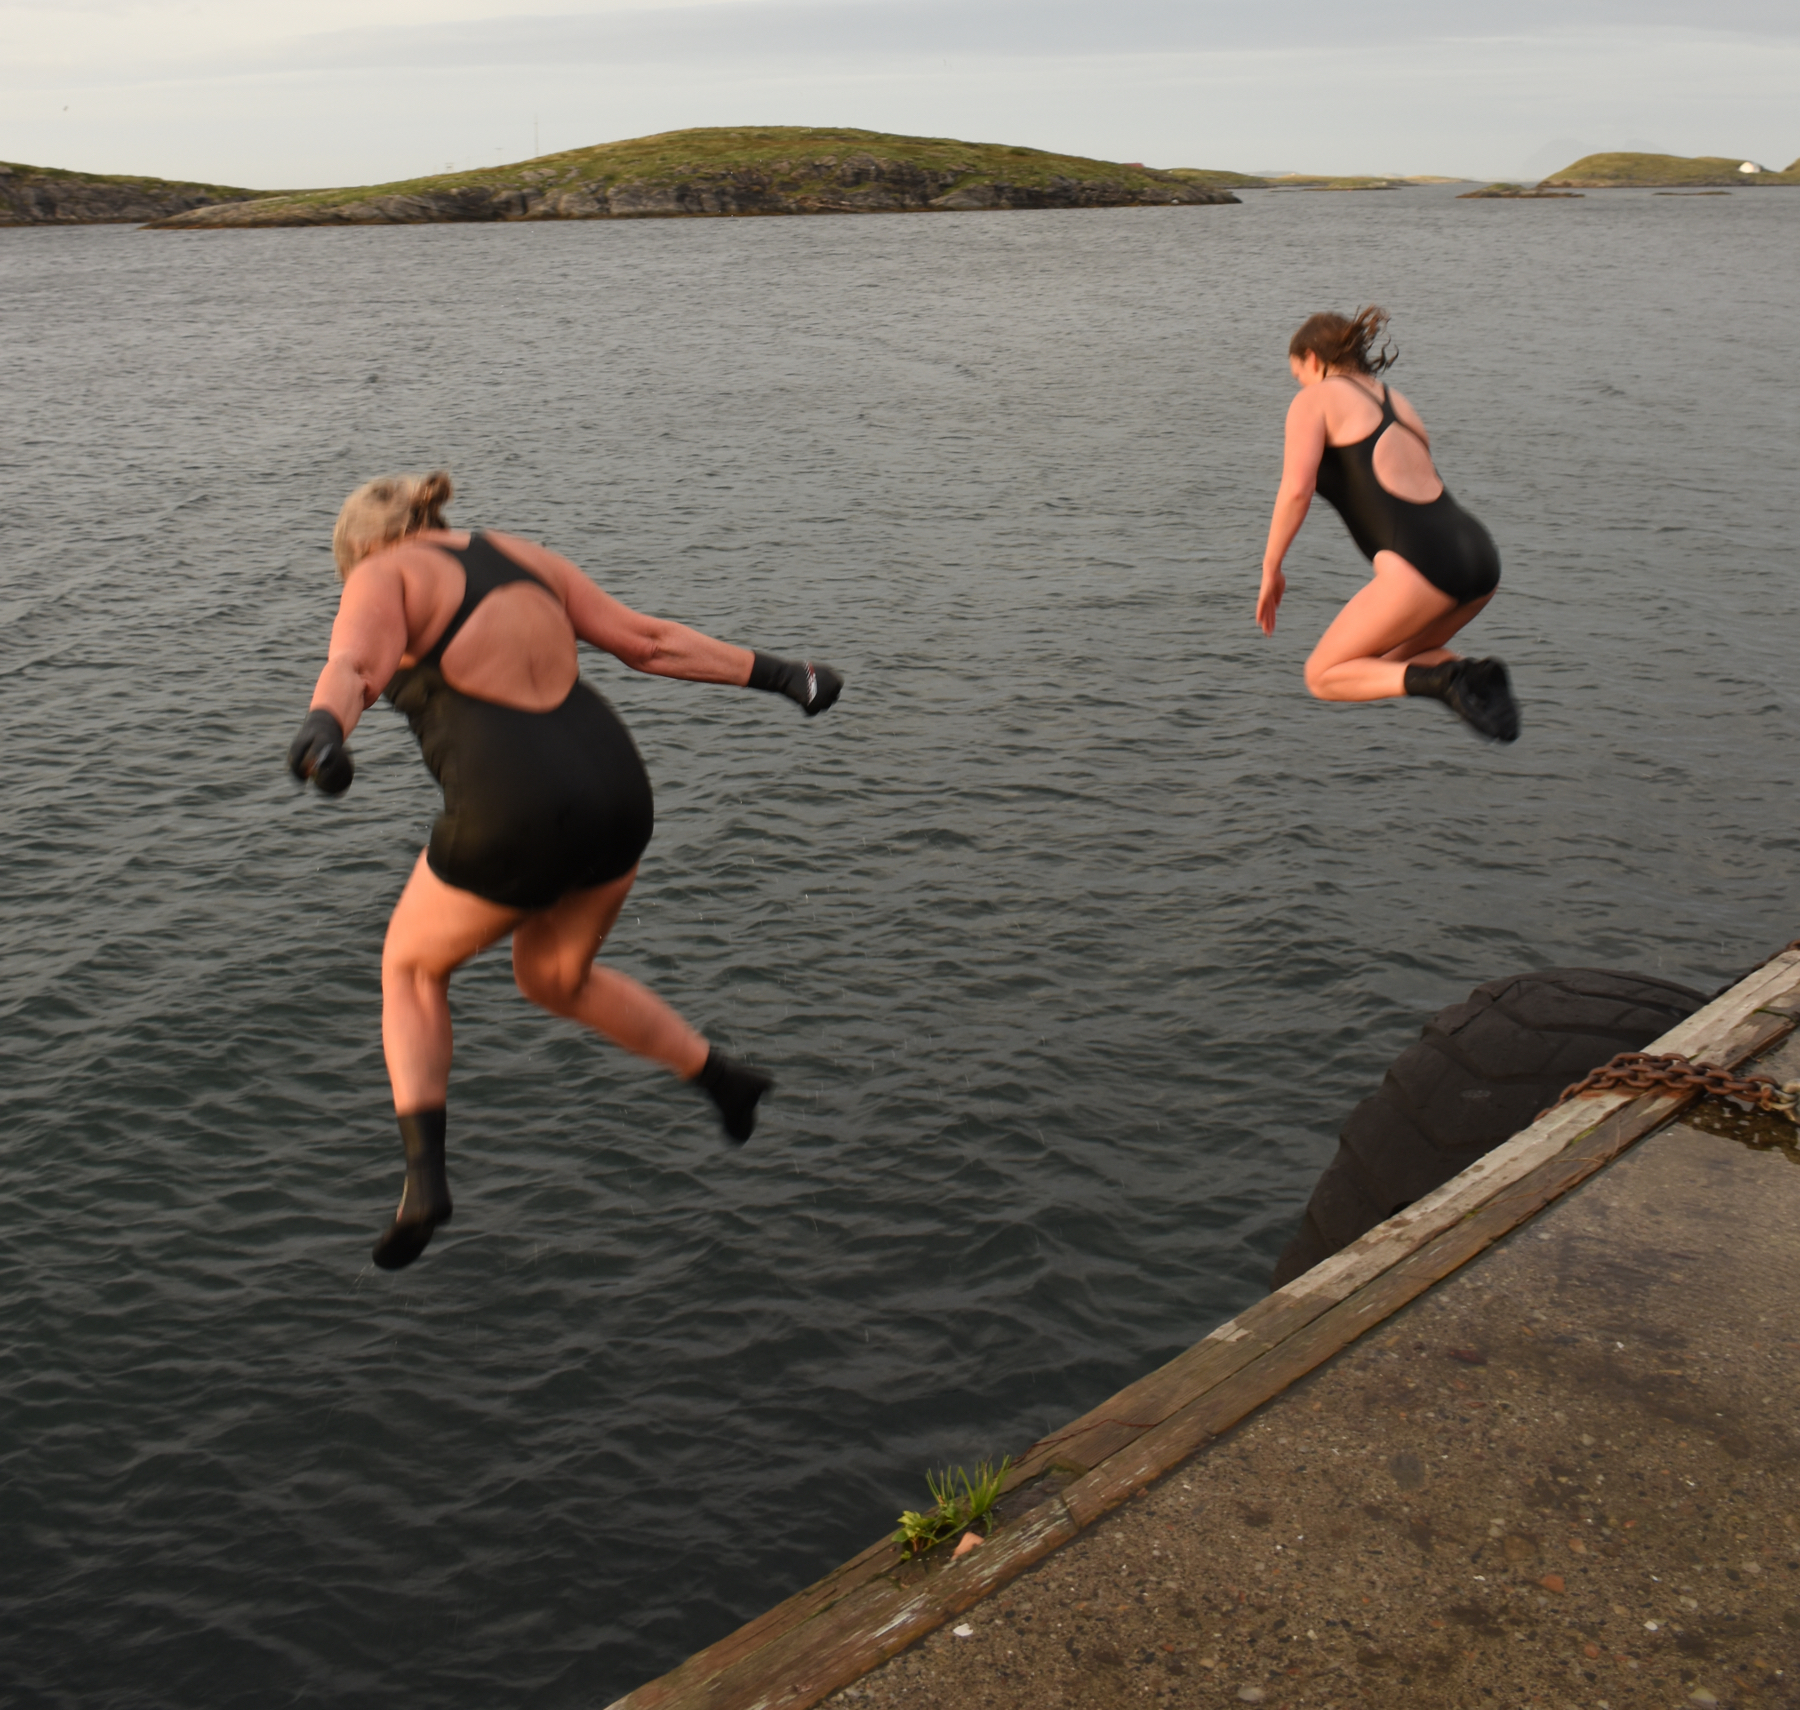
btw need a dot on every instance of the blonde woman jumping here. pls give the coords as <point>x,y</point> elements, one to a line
<point>547,806</point>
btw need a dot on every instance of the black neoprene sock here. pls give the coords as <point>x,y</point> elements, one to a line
<point>1478,691</point>
<point>425,1199</point>
<point>1432,680</point>
<point>734,1087</point>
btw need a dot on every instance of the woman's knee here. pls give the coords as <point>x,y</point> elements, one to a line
<point>1316,673</point>
<point>398,966</point>
<point>548,981</point>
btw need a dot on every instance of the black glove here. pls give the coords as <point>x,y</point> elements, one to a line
<point>811,687</point>
<point>319,753</point>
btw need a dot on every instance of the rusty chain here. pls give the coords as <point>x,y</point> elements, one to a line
<point>1639,1071</point>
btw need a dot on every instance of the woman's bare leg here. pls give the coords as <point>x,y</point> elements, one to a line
<point>553,962</point>
<point>1397,619</point>
<point>1429,646</point>
<point>435,929</point>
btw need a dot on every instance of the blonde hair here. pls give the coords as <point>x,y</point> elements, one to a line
<point>385,510</point>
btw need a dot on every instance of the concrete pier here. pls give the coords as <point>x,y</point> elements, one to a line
<point>1568,1475</point>
<point>1533,1440</point>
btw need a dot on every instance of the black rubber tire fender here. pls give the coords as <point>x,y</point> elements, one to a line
<point>1480,1071</point>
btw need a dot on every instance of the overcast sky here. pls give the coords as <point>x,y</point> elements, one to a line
<point>283,93</point>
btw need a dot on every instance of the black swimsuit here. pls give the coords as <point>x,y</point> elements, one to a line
<point>1439,539</point>
<point>536,804</point>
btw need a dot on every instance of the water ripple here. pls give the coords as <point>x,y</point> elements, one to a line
<point>1071,934</point>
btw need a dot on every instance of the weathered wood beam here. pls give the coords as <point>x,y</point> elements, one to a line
<point>880,1602</point>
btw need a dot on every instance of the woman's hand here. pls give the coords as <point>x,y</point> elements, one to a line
<point>319,753</point>
<point>1268,602</point>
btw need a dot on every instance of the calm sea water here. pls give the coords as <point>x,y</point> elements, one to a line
<point>1071,935</point>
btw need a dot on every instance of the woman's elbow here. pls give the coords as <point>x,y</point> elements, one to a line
<point>347,673</point>
<point>643,650</point>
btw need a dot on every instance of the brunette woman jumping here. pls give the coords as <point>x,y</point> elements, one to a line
<point>546,804</point>
<point>1363,447</point>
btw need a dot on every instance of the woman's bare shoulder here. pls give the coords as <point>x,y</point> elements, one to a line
<point>1346,410</point>
<point>1341,387</point>
<point>430,545</point>
<point>426,551</point>
<point>1404,410</point>
<point>1306,405</point>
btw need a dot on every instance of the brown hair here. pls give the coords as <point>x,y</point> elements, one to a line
<point>385,510</point>
<point>1346,343</point>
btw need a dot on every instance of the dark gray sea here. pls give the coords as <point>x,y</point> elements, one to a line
<point>1072,934</point>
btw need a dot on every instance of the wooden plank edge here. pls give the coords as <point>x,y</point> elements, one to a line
<point>1238,1341</point>
<point>810,1672</point>
<point>874,1563</point>
<point>863,1630</point>
<point>1704,1036</point>
<point>1210,1415</point>
<point>1741,1022</point>
<point>1227,1404</point>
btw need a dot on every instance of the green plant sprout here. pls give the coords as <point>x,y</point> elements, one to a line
<point>961,1504</point>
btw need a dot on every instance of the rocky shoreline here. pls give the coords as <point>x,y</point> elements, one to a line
<point>46,196</point>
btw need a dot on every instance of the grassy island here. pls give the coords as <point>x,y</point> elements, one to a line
<point>723,171</point>
<point>53,196</point>
<point>1217,179</point>
<point>1299,180</point>
<point>1311,181</point>
<point>1663,172</point>
<point>1518,193</point>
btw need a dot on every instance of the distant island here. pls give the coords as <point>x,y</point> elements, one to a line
<point>1213,179</point>
<point>1307,181</point>
<point>1664,172</point>
<point>724,171</point>
<point>48,196</point>
<point>1517,192</point>
<point>1299,180</point>
<point>773,169</point>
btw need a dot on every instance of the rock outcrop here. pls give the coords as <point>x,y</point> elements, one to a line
<point>1518,193</point>
<point>47,196</point>
<point>721,173</point>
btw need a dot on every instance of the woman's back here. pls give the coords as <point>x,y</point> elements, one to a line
<point>1401,456</point>
<point>516,647</point>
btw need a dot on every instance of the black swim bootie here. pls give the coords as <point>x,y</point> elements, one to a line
<point>734,1087</point>
<point>1478,691</point>
<point>1487,700</point>
<point>425,1200</point>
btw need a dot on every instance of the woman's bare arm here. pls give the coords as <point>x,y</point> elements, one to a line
<point>367,641</point>
<point>1305,445</point>
<point>651,644</point>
